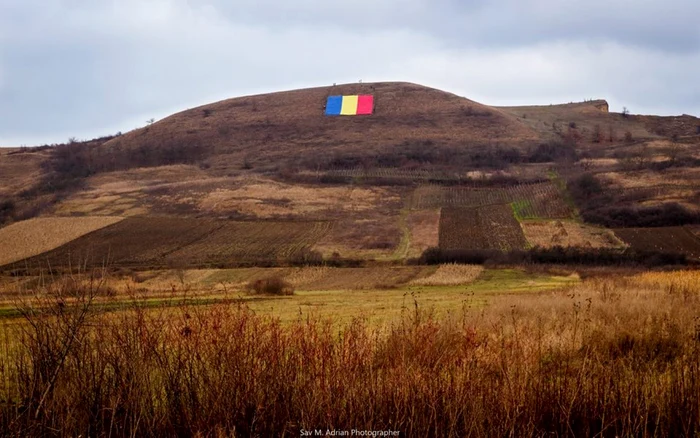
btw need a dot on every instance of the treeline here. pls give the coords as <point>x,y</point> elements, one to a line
<point>7,210</point>
<point>665,215</point>
<point>399,180</point>
<point>421,154</point>
<point>599,206</point>
<point>556,256</point>
<point>71,162</point>
<point>83,159</point>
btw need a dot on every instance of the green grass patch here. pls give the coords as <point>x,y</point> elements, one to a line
<point>564,191</point>
<point>517,280</point>
<point>401,251</point>
<point>522,210</point>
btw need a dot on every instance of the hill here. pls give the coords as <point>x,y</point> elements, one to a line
<point>427,168</point>
<point>290,128</point>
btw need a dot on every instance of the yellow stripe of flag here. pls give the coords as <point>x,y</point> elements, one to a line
<point>349,107</point>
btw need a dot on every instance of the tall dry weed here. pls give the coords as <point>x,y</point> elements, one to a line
<point>610,358</point>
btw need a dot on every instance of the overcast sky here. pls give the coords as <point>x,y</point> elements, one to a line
<point>83,68</point>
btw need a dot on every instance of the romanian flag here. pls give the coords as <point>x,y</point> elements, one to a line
<point>349,105</point>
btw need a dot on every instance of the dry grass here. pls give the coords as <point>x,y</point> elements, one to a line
<point>609,357</point>
<point>650,178</point>
<point>210,282</point>
<point>325,279</point>
<point>451,275</point>
<point>265,198</point>
<point>19,170</point>
<point>556,119</point>
<point>547,234</point>
<point>138,191</point>
<point>285,127</point>
<point>36,236</point>
<point>300,277</point>
<point>686,282</point>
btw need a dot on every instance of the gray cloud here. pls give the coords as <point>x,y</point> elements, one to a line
<point>84,68</point>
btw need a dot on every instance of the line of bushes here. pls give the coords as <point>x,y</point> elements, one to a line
<point>664,215</point>
<point>556,255</point>
<point>332,179</point>
<point>7,210</point>
<point>413,154</point>
<point>600,206</point>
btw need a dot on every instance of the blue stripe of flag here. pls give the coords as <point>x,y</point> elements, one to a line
<point>334,105</point>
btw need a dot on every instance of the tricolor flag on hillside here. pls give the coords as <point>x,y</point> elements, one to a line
<point>350,105</point>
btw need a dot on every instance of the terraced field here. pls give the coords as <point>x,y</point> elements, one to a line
<point>391,174</point>
<point>540,200</point>
<point>492,227</point>
<point>252,241</point>
<point>156,242</point>
<point>666,239</point>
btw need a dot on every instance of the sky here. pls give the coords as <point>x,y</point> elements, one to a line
<point>85,68</point>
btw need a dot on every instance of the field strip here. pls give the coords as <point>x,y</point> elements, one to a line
<point>32,237</point>
<point>401,251</point>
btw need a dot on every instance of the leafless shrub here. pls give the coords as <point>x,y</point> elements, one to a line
<point>273,285</point>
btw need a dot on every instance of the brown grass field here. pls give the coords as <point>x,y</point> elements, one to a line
<point>557,118</point>
<point>32,237</point>
<point>613,356</point>
<point>451,275</point>
<point>547,234</point>
<point>20,171</point>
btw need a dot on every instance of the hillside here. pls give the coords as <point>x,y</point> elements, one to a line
<point>290,127</point>
<point>427,169</point>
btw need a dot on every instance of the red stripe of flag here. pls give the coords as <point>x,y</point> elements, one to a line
<point>365,104</point>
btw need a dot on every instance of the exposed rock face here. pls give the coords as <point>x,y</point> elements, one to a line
<point>602,105</point>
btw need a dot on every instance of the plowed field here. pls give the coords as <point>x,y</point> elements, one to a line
<point>492,227</point>
<point>542,200</point>
<point>155,242</point>
<point>666,239</point>
<point>35,236</point>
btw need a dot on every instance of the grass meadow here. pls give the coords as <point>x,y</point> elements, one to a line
<point>508,353</point>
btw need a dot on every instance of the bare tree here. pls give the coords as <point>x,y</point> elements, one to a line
<point>597,134</point>
<point>673,153</point>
